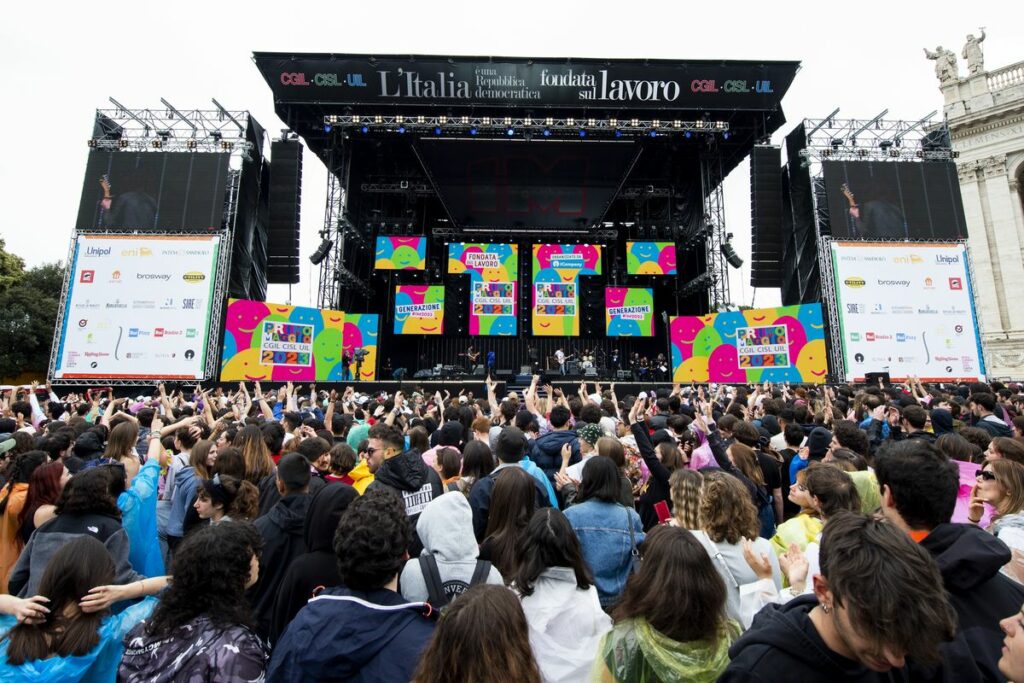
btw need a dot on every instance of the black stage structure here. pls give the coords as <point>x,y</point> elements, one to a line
<point>573,150</point>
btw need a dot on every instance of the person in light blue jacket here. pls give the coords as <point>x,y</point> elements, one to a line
<point>609,532</point>
<point>138,510</point>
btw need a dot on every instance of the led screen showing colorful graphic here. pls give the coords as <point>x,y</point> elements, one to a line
<point>629,312</point>
<point>493,270</point>
<point>419,309</point>
<point>280,343</point>
<point>400,252</point>
<point>651,258</point>
<point>784,344</point>
<point>557,269</point>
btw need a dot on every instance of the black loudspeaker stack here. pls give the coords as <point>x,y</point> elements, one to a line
<point>285,200</point>
<point>766,216</point>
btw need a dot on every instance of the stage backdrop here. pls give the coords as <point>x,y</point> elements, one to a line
<point>277,342</point>
<point>907,309</point>
<point>557,269</point>
<point>137,307</point>
<point>629,312</point>
<point>493,270</point>
<point>784,344</point>
<point>419,309</point>
<point>651,258</point>
<point>400,252</point>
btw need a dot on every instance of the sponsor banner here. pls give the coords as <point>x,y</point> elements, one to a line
<point>400,253</point>
<point>784,344</point>
<point>493,271</point>
<point>419,309</point>
<point>906,309</point>
<point>651,258</point>
<point>557,269</point>
<point>137,306</point>
<point>629,312</point>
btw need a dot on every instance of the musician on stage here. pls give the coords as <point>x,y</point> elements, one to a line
<point>560,359</point>
<point>616,362</point>
<point>532,357</point>
<point>471,355</point>
<point>346,365</point>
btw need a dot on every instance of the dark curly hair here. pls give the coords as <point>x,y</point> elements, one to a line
<point>18,471</point>
<point>211,568</point>
<point>94,490</point>
<point>372,538</point>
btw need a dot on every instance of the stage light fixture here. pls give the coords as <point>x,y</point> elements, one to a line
<point>583,133</point>
<point>401,129</point>
<point>510,132</point>
<point>91,142</point>
<point>687,135</point>
<point>157,144</point>
<point>731,256</point>
<point>365,129</point>
<point>399,119</point>
<point>618,133</point>
<point>653,133</point>
<point>321,252</point>
<point>191,144</point>
<point>547,132</point>
<point>725,135</point>
<point>837,143</point>
<point>122,143</point>
<point>327,128</point>
<point>472,131</point>
<point>437,130</point>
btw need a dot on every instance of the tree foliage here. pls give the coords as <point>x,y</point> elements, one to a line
<point>29,300</point>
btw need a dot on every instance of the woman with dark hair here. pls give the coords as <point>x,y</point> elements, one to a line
<point>71,641</point>
<point>17,474</point>
<point>512,504</point>
<point>204,604</point>
<point>609,533</point>
<point>483,636</point>
<point>229,463</point>
<point>226,499</point>
<point>477,463</point>
<point>448,464</point>
<point>44,487</point>
<point>686,638</point>
<point>661,463</point>
<point>559,598</point>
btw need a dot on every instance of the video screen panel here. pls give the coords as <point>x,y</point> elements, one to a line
<point>629,312</point>
<point>493,270</point>
<point>419,309</point>
<point>651,258</point>
<point>557,269</point>
<point>400,252</point>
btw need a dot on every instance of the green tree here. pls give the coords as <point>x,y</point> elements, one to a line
<point>29,300</point>
<point>11,267</point>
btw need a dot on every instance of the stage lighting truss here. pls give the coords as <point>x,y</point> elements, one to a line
<point>877,139</point>
<point>499,126</point>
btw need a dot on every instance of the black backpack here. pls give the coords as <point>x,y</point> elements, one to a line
<point>436,596</point>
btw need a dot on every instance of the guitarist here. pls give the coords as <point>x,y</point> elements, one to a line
<point>471,356</point>
<point>125,210</point>
<point>877,218</point>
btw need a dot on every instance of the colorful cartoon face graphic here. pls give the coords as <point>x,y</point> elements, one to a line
<point>419,309</point>
<point>629,312</point>
<point>784,344</point>
<point>554,313</point>
<point>245,366</point>
<point>243,317</point>
<point>400,253</point>
<point>651,258</point>
<point>492,309</point>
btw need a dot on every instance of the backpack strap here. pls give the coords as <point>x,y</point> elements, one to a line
<point>480,574</point>
<point>432,578</point>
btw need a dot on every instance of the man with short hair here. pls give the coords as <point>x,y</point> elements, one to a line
<point>983,408</point>
<point>363,630</point>
<point>509,448</point>
<point>547,449</point>
<point>919,487</point>
<point>912,424</point>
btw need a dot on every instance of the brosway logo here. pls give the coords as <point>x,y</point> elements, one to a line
<point>193,276</point>
<point>854,282</point>
<point>87,276</point>
<point>956,284</point>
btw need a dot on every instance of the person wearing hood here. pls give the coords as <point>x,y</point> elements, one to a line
<point>186,483</point>
<point>919,489</point>
<point>547,449</point>
<point>818,443</point>
<point>942,421</point>
<point>446,529</point>
<point>283,539</point>
<point>362,631</point>
<point>404,472</point>
<point>983,408</point>
<point>878,613</point>
<point>318,566</point>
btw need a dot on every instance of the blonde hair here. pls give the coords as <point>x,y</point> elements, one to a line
<point>1010,476</point>
<point>685,488</point>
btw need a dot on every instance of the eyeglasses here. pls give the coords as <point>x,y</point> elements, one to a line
<point>987,475</point>
<point>371,451</point>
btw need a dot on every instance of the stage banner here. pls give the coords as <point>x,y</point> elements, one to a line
<point>493,270</point>
<point>629,312</point>
<point>400,252</point>
<point>651,258</point>
<point>361,333</point>
<point>557,269</point>
<point>907,309</point>
<point>419,309</point>
<point>137,307</point>
<point>784,344</point>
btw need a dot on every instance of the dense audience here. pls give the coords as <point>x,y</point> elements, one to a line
<point>690,533</point>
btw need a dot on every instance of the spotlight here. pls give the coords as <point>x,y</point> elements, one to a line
<point>92,143</point>
<point>583,133</point>
<point>321,252</point>
<point>437,130</point>
<point>653,133</point>
<point>547,132</point>
<point>725,135</point>
<point>731,256</point>
<point>327,128</point>
<point>472,131</point>
<point>510,132</point>
<point>365,129</point>
<point>687,135</point>
<point>618,133</point>
<point>401,129</point>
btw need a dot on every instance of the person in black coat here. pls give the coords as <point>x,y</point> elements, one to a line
<point>547,449</point>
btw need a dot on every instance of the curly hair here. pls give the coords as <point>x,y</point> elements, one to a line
<point>240,499</point>
<point>19,471</point>
<point>685,486</point>
<point>726,511</point>
<point>372,538</point>
<point>211,569</point>
<point>94,490</point>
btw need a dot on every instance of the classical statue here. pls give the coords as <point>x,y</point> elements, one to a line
<point>972,53</point>
<point>946,69</point>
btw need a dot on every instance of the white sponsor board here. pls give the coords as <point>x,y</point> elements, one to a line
<point>906,309</point>
<point>137,306</point>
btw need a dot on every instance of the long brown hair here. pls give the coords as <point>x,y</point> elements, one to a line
<point>123,438</point>
<point>745,458</point>
<point>258,464</point>
<point>483,636</point>
<point>43,488</point>
<point>676,564</point>
<point>513,501</point>
<point>197,458</point>
<point>671,460</point>
<point>1009,475</point>
<point>77,567</point>
<point>726,511</point>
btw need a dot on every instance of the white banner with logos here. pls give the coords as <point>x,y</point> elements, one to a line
<point>138,307</point>
<point>907,309</point>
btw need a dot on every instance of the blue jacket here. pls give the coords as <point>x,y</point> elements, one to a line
<point>603,530</point>
<point>547,451</point>
<point>185,484</point>
<point>355,636</point>
<point>138,517</point>
<point>538,474</point>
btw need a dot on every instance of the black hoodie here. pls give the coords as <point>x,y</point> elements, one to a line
<point>283,541</point>
<point>783,645</point>
<point>970,559</point>
<point>414,481</point>
<point>318,567</point>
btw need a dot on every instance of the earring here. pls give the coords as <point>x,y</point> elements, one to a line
<point>824,608</point>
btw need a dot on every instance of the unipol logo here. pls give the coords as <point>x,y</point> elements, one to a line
<point>945,260</point>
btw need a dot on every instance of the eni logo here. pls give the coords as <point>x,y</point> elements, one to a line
<point>854,282</point>
<point>194,276</point>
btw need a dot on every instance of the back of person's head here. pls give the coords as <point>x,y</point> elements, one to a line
<point>212,568</point>
<point>372,539</point>
<point>482,425</point>
<point>513,501</point>
<point>185,436</point>
<point>477,460</point>
<point>77,567</point>
<point>746,460</point>
<point>747,434</point>
<point>482,636</point>
<point>1009,448</point>
<point>343,459</point>
<point>450,462</point>
<point>956,447</point>
<point>848,461</point>
<point>293,473</point>
<point>239,499</point>
<point>685,490</point>
<point>44,487</point>
<point>831,489</point>
<point>918,481</point>
<point>291,420</point>
<point>510,445</point>
<point>559,416</point>
<point>675,563</point>
<point>272,434</point>
<point>794,434</point>
<point>590,413</point>
<point>123,438</point>
<point>726,511</point>
<point>451,434</point>
<point>229,462</point>
<point>94,490</point>
<point>728,423</point>
<point>851,436</point>
<point>419,439</point>
<point>549,541</point>
<point>601,481</point>
<point>888,586</point>
<point>611,448</point>
<point>252,442</point>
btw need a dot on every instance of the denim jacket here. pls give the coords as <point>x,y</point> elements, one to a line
<point>605,540</point>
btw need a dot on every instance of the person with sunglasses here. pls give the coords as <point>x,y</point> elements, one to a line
<point>1001,485</point>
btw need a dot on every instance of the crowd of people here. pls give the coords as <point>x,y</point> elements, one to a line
<point>688,533</point>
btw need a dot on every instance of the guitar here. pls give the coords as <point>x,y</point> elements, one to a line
<point>853,215</point>
<point>470,356</point>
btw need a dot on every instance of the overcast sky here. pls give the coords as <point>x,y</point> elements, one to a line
<point>60,63</point>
